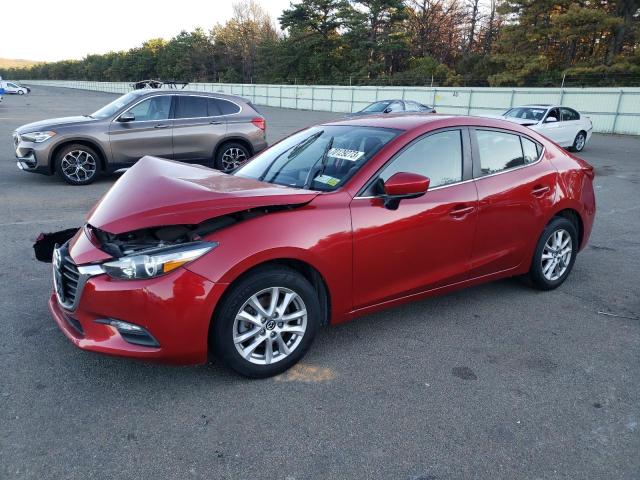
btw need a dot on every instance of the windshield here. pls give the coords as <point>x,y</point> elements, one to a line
<point>318,158</point>
<point>376,107</point>
<point>526,113</point>
<point>116,105</point>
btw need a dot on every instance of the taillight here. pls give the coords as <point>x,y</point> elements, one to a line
<point>260,123</point>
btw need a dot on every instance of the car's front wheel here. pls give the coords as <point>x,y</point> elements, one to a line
<point>555,254</point>
<point>579,142</point>
<point>20,92</point>
<point>77,164</point>
<point>266,322</point>
<point>230,156</point>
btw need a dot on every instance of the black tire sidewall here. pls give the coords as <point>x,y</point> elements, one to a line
<point>218,160</point>
<point>536,276</point>
<point>60,155</point>
<point>221,333</point>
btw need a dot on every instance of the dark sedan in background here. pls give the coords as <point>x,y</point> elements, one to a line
<point>393,106</point>
<point>216,130</point>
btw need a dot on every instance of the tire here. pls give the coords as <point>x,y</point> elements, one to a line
<point>231,332</point>
<point>579,142</point>
<point>230,155</point>
<point>86,160</point>
<point>543,275</point>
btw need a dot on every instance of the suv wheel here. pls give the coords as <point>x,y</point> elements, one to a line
<point>77,164</point>
<point>231,156</point>
<point>266,322</point>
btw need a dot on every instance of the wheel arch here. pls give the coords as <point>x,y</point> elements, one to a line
<point>80,141</point>
<point>307,270</point>
<point>573,215</point>
<point>233,139</point>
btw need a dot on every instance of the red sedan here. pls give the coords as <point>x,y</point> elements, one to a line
<point>333,222</point>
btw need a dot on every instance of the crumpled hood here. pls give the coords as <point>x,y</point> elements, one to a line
<point>52,123</point>
<point>157,192</point>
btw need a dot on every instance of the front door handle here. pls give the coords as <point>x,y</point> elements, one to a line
<point>215,123</point>
<point>540,190</point>
<point>461,211</point>
<point>160,125</point>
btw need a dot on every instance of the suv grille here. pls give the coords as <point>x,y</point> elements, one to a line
<point>66,277</point>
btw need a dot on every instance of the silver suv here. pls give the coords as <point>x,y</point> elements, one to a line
<point>212,129</point>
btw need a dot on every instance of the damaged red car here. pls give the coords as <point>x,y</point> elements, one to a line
<point>177,261</point>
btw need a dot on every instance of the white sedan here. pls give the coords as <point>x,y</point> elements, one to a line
<point>565,126</point>
<point>14,88</point>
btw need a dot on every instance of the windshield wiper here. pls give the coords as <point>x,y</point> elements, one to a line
<point>293,153</point>
<point>313,172</point>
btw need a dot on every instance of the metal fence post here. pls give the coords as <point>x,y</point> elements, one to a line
<point>615,118</point>
<point>513,94</point>
<point>351,110</point>
<point>313,91</point>
<point>469,104</point>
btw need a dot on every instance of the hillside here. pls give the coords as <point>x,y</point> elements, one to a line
<point>16,63</point>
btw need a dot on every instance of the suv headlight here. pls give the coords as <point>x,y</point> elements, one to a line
<point>156,262</point>
<point>37,137</point>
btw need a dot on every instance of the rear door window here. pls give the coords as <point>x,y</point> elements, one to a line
<point>500,151</point>
<point>226,107</point>
<point>191,107</point>
<point>569,114</point>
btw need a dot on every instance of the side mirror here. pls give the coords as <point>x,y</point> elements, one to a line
<point>126,117</point>
<point>551,120</point>
<point>403,185</point>
<point>387,110</point>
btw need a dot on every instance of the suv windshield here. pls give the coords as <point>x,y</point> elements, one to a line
<point>116,105</point>
<point>526,113</point>
<point>318,158</point>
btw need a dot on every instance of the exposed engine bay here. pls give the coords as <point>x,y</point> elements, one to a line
<point>123,244</point>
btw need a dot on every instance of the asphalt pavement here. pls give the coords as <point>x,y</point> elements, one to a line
<point>494,382</point>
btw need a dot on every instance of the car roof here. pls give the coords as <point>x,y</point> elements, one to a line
<point>168,91</point>
<point>536,105</point>
<point>414,121</point>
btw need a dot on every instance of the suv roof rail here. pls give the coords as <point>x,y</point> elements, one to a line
<point>139,85</point>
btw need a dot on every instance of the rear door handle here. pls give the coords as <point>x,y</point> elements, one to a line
<point>540,190</point>
<point>215,123</point>
<point>160,125</point>
<point>461,211</point>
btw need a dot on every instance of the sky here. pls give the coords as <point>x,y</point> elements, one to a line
<point>70,29</point>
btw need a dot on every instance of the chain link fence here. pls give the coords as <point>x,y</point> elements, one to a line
<point>612,110</point>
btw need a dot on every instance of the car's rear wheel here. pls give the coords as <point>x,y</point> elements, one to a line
<point>77,164</point>
<point>579,142</point>
<point>266,322</point>
<point>555,254</point>
<point>230,156</point>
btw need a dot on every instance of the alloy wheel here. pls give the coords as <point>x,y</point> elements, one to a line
<point>270,325</point>
<point>232,158</point>
<point>580,139</point>
<point>78,165</point>
<point>556,255</point>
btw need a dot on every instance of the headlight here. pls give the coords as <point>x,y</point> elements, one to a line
<point>156,262</point>
<point>37,137</point>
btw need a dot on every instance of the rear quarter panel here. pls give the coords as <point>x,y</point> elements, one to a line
<point>575,189</point>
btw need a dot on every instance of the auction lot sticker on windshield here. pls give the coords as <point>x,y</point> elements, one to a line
<point>345,154</point>
<point>328,180</point>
